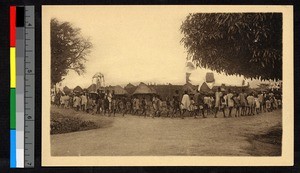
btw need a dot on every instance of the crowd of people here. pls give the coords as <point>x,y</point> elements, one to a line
<point>230,103</point>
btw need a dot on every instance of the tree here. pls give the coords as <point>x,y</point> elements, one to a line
<point>68,50</point>
<point>248,44</point>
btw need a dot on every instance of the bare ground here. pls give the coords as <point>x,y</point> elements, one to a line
<point>139,136</point>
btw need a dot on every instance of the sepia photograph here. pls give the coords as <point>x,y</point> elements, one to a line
<point>167,85</point>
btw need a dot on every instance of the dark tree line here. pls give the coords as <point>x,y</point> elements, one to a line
<point>68,50</point>
<point>248,44</point>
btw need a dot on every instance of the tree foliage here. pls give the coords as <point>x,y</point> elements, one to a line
<point>68,50</point>
<point>248,44</point>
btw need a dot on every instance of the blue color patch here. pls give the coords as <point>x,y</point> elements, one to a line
<point>13,149</point>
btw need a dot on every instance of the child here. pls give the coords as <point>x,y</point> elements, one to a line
<point>218,101</point>
<point>172,107</point>
<point>206,101</point>
<point>268,104</point>
<point>154,105</point>
<point>71,100</point>
<point>113,106</point>
<point>251,103</point>
<point>164,110</point>
<point>192,108</point>
<point>279,103</point>
<point>62,101</point>
<point>185,104</point>
<point>271,103</point>
<point>128,107</point>
<point>261,101</point>
<point>143,106</point>
<point>223,106</point>
<point>176,105</point>
<point>77,101</point>
<point>121,105</point>
<point>91,106</point>
<point>106,105</point>
<point>83,101</point>
<point>237,105</point>
<point>168,106</point>
<point>52,99</point>
<point>243,101</point>
<point>230,101</point>
<point>67,98</point>
<point>137,106</point>
<point>159,106</point>
<point>134,105</point>
<point>201,106</point>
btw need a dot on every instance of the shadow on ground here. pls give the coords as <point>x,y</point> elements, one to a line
<point>267,144</point>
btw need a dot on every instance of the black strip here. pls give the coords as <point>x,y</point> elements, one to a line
<point>20,15</point>
<point>4,88</point>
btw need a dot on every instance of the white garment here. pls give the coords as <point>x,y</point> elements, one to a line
<point>185,102</point>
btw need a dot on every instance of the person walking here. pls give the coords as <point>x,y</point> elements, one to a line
<point>106,105</point>
<point>113,106</point>
<point>192,107</point>
<point>98,102</point>
<point>159,106</point>
<point>230,101</point>
<point>109,98</point>
<point>256,104</point>
<point>83,101</point>
<point>185,103</point>
<point>223,105</point>
<point>261,101</point>
<point>243,102</point>
<point>67,99</point>
<point>154,106</point>
<point>136,103</point>
<point>77,102</point>
<point>237,105</point>
<point>62,101</point>
<point>218,96</point>
<point>251,104</point>
<point>144,106</point>
<point>196,104</point>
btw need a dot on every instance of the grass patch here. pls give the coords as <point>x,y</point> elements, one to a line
<point>66,121</point>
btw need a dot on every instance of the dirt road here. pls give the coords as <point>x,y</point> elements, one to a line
<point>138,136</point>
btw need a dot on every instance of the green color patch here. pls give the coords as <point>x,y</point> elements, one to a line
<point>12,108</point>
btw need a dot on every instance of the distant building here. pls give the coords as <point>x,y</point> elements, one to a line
<point>77,89</point>
<point>130,88</point>
<point>204,88</point>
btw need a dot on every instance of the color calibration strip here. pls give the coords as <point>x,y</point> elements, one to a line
<point>21,42</point>
<point>13,147</point>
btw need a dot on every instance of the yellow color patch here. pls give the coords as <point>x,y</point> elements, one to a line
<point>13,75</point>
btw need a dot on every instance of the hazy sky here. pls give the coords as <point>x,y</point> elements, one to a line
<point>133,45</point>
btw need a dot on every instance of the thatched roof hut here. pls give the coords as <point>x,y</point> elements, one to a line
<point>77,89</point>
<point>144,89</point>
<point>205,88</point>
<point>92,88</point>
<point>130,88</point>
<point>189,88</point>
<point>67,90</point>
<point>118,90</point>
